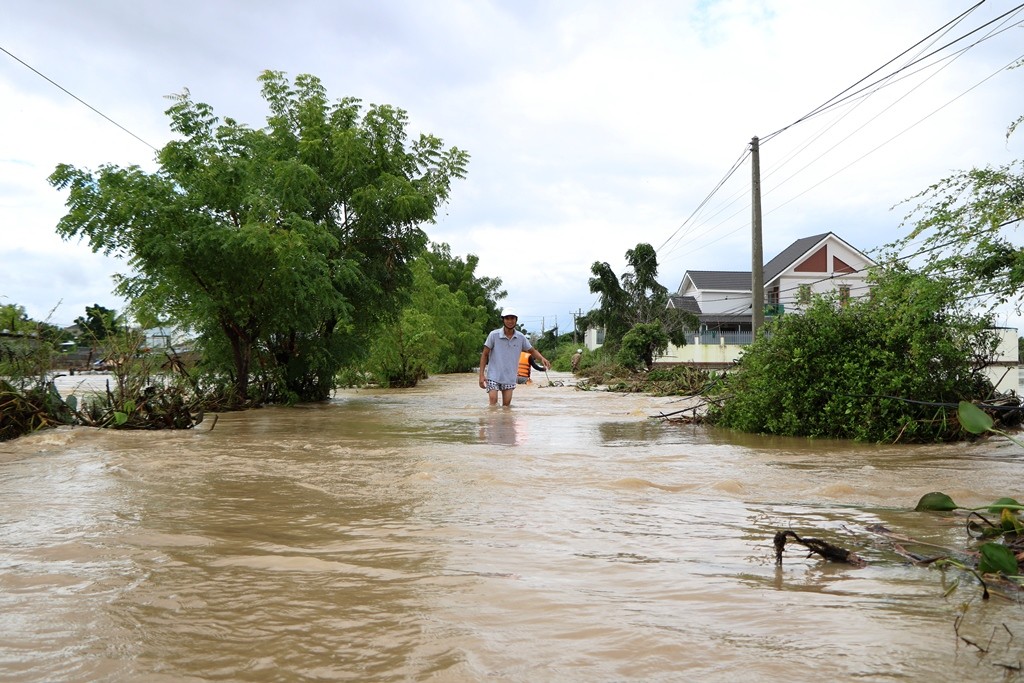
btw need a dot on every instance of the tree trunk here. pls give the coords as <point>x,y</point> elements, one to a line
<point>241,352</point>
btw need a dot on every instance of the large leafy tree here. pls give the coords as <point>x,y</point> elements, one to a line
<point>283,247</point>
<point>637,300</point>
<point>889,367</point>
<point>442,328</point>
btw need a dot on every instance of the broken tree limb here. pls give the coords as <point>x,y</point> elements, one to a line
<point>816,546</point>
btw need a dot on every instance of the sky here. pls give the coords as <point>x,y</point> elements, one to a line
<point>592,125</point>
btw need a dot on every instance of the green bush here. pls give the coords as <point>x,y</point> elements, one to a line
<point>885,368</point>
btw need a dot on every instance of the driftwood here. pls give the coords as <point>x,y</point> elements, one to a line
<point>816,546</point>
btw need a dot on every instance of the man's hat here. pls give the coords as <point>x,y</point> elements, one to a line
<point>509,312</point>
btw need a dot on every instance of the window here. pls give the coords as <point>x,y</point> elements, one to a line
<point>844,295</point>
<point>803,295</point>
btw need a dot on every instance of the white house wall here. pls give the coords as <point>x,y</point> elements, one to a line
<point>1004,372</point>
<point>729,302</point>
<point>716,356</point>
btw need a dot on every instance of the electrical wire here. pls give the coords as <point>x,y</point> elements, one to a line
<point>72,95</point>
<point>678,234</point>
<point>839,98</point>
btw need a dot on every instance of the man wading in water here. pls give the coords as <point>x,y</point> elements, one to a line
<point>500,358</point>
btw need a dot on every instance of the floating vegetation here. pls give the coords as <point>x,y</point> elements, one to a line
<point>993,554</point>
<point>674,380</point>
<point>41,406</point>
<point>23,412</point>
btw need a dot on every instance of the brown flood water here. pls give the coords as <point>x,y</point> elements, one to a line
<point>417,535</point>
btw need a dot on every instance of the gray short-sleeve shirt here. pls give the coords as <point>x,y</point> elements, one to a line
<point>503,363</point>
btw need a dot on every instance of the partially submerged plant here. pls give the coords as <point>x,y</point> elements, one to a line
<point>977,421</point>
<point>994,557</point>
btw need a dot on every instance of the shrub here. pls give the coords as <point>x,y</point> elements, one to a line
<point>885,368</point>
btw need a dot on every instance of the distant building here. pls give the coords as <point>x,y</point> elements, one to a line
<point>722,299</point>
<point>819,264</point>
<point>167,337</point>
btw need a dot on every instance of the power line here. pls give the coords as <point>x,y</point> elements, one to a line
<point>863,92</point>
<point>902,132</point>
<point>735,167</point>
<point>837,99</point>
<point>71,94</point>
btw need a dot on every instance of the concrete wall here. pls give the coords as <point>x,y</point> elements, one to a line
<point>1004,371</point>
<point>713,356</point>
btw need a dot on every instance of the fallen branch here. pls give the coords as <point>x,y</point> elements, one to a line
<point>816,546</point>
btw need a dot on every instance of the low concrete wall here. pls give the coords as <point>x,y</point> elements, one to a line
<point>1004,372</point>
<point>711,356</point>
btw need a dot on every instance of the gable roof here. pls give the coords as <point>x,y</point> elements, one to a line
<point>720,280</point>
<point>804,246</point>
<point>684,303</point>
<point>740,281</point>
<point>790,254</point>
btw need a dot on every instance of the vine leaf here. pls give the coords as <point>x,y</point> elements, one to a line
<point>936,501</point>
<point>974,419</point>
<point>1003,504</point>
<point>996,558</point>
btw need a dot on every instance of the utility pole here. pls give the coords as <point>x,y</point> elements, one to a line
<point>756,258</point>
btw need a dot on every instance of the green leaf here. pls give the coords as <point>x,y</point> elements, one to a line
<point>72,402</point>
<point>936,502</point>
<point>120,418</point>
<point>973,418</point>
<point>1002,504</point>
<point>996,558</point>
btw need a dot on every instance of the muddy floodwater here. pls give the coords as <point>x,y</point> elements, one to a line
<point>418,535</point>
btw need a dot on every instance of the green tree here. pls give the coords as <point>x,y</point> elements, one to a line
<point>460,276</point>
<point>884,368</point>
<point>27,349</point>
<point>612,312</point>
<point>637,300</point>
<point>641,343</point>
<point>462,304</point>
<point>13,318</point>
<point>964,224</point>
<point>442,328</point>
<point>285,248</point>
<point>99,322</point>
<point>402,355</point>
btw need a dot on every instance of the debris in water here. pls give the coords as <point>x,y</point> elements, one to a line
<point>816,546</point>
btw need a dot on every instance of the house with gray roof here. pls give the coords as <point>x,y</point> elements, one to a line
<point>819,264</point>
<point>722,299</point>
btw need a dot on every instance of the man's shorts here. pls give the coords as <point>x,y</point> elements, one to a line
<point>494,386</point>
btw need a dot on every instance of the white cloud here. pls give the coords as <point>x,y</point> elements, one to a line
<point>592,126</point>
